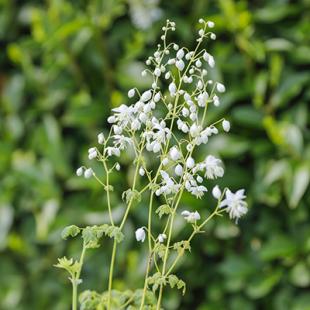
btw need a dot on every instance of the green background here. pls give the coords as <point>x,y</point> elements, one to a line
<point>64,64</point>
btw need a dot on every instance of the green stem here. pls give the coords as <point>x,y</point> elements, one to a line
<point>121,226</point>
<point>145,282</point>
<point>111,273</point>
<point>76,278</point>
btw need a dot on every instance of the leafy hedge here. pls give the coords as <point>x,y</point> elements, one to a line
<point>66,63</point>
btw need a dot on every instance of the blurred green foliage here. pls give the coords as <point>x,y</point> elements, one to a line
<point>64,64</point>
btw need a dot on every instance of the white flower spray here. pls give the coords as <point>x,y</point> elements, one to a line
<point>165,128</point>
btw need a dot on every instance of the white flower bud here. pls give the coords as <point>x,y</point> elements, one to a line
<point>194,130</point>
<point>184,128</point>
<point>140,234</point>
<point>174,153</point>
<point>100,138</point>
<point>167,75</point>
<point>226,125</point>
<point>199,179</point>
<point>220,87</point>
<point>175,47</point>
<point>165,161</point>
<point>111,119</point>
<point>213,36</point>
<point>178,170</point>
<point>216,100</point>
<point>131,93</point>
<point>88,173</point>
<point>141,171</point>
<point>216,192</point>
<point>198,63</point>
<point>79,171</point>
<point>135,125</point>
<point>161,238</point>
<point>201,32</point>
<point>92,155</point>
<point>157,72</point>
<point>157,97</point>
<point>172,88</point>
<point>180,64</point>
<point>180,54</point>
<point>190,163</point>
<point>171,61</point>
<point>117,166</point>
<point>146,96</point>
<point>210,24</point>
<point>156,147</point>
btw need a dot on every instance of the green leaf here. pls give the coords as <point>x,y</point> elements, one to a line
<point>278,247</point>
<point>163,210</point>
<point>261,285</point>
<point>299,184</point>
<point>70,231</point>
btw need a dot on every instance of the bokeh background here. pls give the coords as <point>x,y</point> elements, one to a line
<point>64,64</point>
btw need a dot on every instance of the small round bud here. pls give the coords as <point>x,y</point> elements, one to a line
<point>141,171</point>
<point>220,87</point>
<point>210,24</point>
<point>226,125</point>
<point>79,171</point>
<point>131,93</point>
<point>100,138</point>
<point>88,173</point>
<point>216,192</point>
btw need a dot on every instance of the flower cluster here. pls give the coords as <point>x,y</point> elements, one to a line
<point>169,126</point>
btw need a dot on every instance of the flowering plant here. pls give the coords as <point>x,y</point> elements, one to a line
<point>164,128</point>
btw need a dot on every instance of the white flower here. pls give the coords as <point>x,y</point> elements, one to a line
<point>209,59</point>
<point>210,24</point>
<point>174,153</point>
<point>117,166</point>
<point>172,88</point>
<point>220,87</point>
<point>100,138</point>
<point>131,93</point>
<point>216,100</point>
<point>92,155</point>
<point>178,170</point>
<point>216,192</point>
<point>146,96</point>
<point>141,171</point>
<point>88,173</point>
<point>235,206</point>
<point>180,54</point>
<point>194,130</point>
<point>212,167</point>
<point>197,191</point>
<point>168,186</point>
<point>140,234</point>
<point>226,125</point>
<point>190,163</point>
<point>191,217</point>
<point>112,151</point>
<point>79,171</point>
<point>161,238</point>
<point>165,161</point>
<point>157,97</point>
<point>213,36</point>
<point>157,72</point>
<point>180,64</point>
